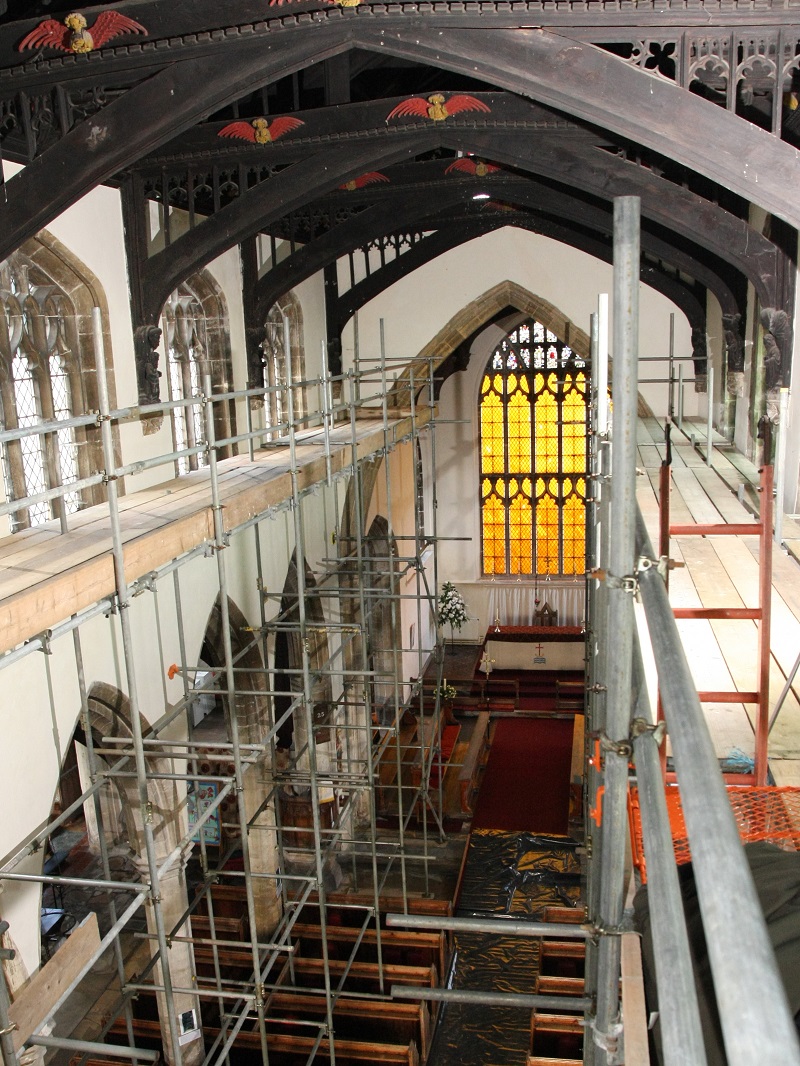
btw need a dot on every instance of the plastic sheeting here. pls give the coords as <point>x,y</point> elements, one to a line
<point>505,873</point>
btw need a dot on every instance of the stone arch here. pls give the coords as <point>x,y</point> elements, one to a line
<point>109,713</point>
<point>484,308</point>
<point>380,551</point>
<point>251,705</point>
<point>487,308</point>
<point>289,653</point>
<point>271,370</point>
<point>251,701</point>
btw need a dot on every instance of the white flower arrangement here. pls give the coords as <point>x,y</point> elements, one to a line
<point>452,609</point>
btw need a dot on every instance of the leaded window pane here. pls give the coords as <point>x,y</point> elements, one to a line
<point>533,455</point>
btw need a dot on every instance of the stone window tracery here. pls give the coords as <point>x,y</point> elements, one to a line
<point>40,381</point>
<point>195,335</point>
<point>533,455</point>
<point>276,362</point>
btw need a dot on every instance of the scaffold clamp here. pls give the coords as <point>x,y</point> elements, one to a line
<point>640,726</point>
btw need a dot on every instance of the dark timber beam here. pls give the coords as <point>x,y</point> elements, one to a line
<point>577,78</point>
<point>528,196</point>
<point>454,233</point>
<point>675,208</point>
<point>593,85</point>
<point>375,222</point>
<point>672,206</point>
<point>266,203</point>
<point>144,117</point>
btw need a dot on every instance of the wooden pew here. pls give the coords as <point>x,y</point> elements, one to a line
<point>556,1040</point>
<point>229,902</point>
<point>386,767</point>
<point>286,1048</point>
<point>291,1050</point>
<point>362,976</point>
<point>397,945</point>
<point>570,695</point>
<point>379,1021</point>
<point>562,958</point>
<point>472,759</point>
<point>570,915</point>
<point>226,928</point>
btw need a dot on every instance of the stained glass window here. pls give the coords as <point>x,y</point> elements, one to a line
<point>279,365</point>
<point>533,455</point>
<point>195,333</point>
<point>40,369</point>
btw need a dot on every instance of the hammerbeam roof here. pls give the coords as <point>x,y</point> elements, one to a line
<point>690,106</point>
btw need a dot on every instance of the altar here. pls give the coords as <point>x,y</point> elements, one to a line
<point>534,648</point>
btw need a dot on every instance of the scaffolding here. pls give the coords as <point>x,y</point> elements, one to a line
<point>287,819</point>
<point>315,693</point>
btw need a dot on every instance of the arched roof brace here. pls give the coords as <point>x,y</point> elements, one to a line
<point>535,63</point>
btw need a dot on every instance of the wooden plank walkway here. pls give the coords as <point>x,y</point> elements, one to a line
<point>45,577</point>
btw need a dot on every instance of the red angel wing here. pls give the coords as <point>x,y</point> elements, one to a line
<point>111,24</point>
<point>370,178</point>
<point>470,166</point>
<point>243,130</point>
<point>460,102</point>
<point>466,165</point>
<point>283,125</point>
<point>415,106</point>
<point>48,34</point>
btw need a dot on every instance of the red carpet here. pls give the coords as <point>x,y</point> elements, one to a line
<point>526,784</point>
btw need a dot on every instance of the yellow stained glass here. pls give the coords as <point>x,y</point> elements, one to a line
<point>535,422</point>
<point>546,432</point>
<point>493,457</point>
<point>494,539</point>
<point>546,535</point>
<point>574,535</point>
<point>519,433</point>
<point>520,521</point>
<point>573,432</point>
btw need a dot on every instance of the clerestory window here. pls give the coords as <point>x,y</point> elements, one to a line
<point>40,382</point>
<point>196,338</point>
<point>533,455</point>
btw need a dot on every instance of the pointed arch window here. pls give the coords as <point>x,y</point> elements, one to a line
<point>40,381</point>
<point>196,330</point>
<point>277,364</point>
<point>533,455</point>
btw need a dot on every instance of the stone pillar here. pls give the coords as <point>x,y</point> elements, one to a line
<point>174,902</point>
<point>262,840</point>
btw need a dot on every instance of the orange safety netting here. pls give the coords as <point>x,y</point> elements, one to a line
<point>771,814</point>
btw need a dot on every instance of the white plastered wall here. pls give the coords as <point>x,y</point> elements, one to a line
<point>415,309</point>
<point>41,708</point>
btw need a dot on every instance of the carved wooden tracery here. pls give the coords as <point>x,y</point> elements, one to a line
<point>654,64</point>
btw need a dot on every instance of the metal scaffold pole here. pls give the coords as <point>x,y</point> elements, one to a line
<point>607,1027</point>
<point>123,603</point>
